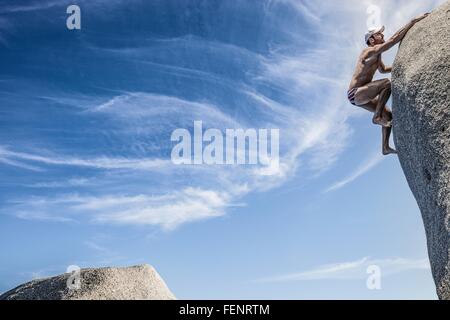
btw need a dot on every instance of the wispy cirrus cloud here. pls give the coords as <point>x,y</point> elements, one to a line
<point>302,7</point>
<point>43,215</point>
<point>98,163</point>
<point>352,270</point>
<point>68,183</point>
<point>167,211</point>
<point>138,115</point>
<point>22,6</point>
<point>103,254</point>
<point>310,133</point>
<point>10,162</point>
<point>143,109</point>
<point>367,165</point>
<point>295,86</point>
<point>40,5</point>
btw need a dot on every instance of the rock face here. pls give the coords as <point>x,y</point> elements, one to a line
<point>131,283</point>
<point>420,89</point>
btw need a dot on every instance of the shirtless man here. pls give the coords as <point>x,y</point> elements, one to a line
<point>373,95</point>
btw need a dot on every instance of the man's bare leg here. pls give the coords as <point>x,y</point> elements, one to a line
<point>382,100</point>
<point>366,95</point>
<point>386,133</point>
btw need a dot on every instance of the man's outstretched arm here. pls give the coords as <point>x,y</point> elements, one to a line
<point>398,36</point>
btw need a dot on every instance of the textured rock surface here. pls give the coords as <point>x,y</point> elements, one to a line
<point>132,283</point>
<point>420,88</point>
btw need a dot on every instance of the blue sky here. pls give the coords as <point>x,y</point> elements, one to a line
<point>85,172</point>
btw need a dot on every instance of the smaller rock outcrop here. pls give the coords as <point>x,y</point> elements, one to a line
<point>130,283</point>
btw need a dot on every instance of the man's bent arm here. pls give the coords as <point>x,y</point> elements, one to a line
<point>383,69</point>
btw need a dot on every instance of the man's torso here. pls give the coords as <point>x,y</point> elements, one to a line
<point>365,69</point>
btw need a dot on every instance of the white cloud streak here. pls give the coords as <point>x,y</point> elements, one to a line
<point>19,164</point>
<point>98,163</point>
<point>302,7</point>
<point>69,183</point>
<point>168,211</point>
<point>352,270</point>
<point>38,5</point>
<point>32,6</point>
<point>361,170</point>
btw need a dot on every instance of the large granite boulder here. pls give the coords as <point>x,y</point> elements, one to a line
<point>420,89</point>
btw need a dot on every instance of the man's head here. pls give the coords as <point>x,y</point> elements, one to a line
<point>374,37</point>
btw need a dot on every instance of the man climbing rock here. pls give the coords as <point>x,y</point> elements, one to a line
<point>373,95</point>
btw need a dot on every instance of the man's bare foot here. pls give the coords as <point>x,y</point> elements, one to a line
<point>389,150</point>
<point>382,122</point>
